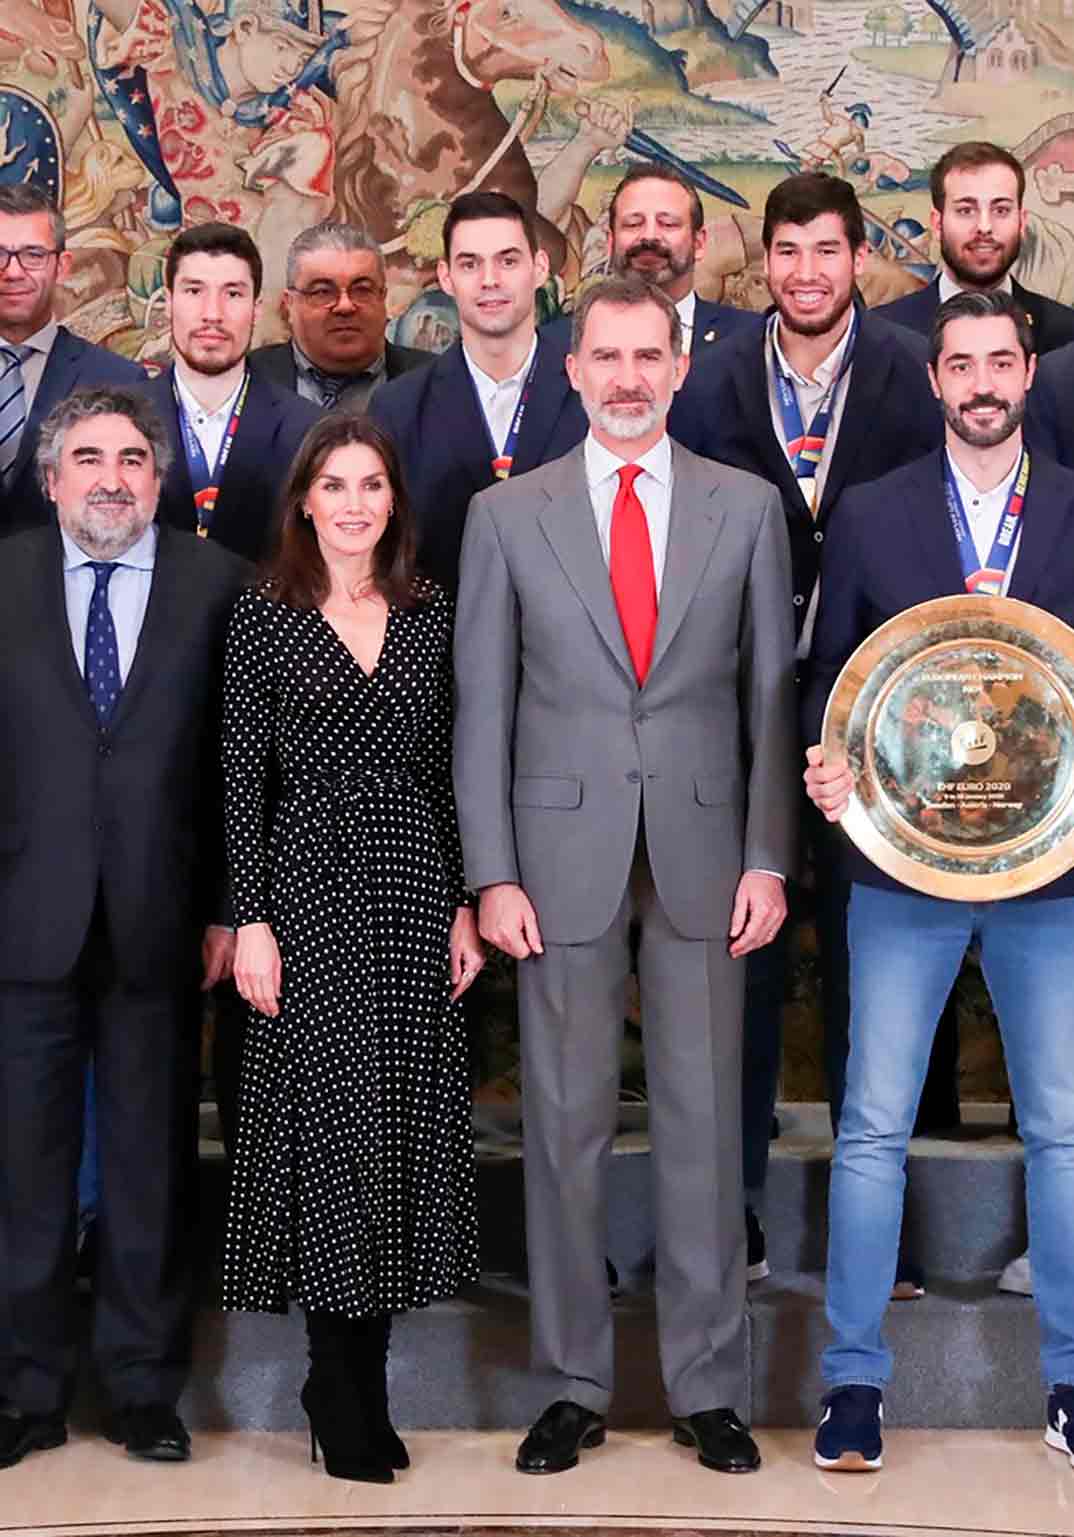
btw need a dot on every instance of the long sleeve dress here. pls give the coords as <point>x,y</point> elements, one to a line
<point>353,1187</point>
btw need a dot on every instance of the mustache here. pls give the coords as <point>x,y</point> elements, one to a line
<point>638,397</point>
<point>644,247</point>
<point>100,498</point>
<point>985,403</point>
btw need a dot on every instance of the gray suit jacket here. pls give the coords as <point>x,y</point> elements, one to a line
<point>557,750</point>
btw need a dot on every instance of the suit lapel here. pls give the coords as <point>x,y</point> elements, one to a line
<point>251,452</point>
<point>54,630</point>
<point>696,521</point>
<point>751,386</point>
<point>58,380</point>
<point>571,529</point>
<point>549,390</point>
<point>862,409</point>
<point>1046,510</point>
<point>163,617</point>
<point>928,513</point>
<point>455,416</point>
<point>178,491</point>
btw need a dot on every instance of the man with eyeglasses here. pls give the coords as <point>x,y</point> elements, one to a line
<point>41,362</point>
<point>336,306</point>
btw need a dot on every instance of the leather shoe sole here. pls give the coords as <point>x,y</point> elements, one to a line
<point>172,1446</point>
<point>594,1436</point>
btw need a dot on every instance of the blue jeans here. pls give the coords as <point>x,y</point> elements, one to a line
<point>905,952</point>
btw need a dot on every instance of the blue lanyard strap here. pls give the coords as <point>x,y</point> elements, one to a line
<point>501,463</point>
<point>806,448</point>
<point>206,482</point>
<point>987,580</point>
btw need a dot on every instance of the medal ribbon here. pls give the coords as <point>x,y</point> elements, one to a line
<point>806,449</point>
<point>986,580</point>
<point>206,483</point>
<point>501,463</point>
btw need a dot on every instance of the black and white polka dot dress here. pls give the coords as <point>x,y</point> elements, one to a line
<point>353,1185</point>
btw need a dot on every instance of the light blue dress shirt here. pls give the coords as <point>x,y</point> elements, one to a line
<point>128,595</point>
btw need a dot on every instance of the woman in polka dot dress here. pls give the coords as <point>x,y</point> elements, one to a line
<point>353,1184</point>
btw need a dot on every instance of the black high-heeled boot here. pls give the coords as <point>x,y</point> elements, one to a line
<point>388,1439</point>
<point>339,1415</point>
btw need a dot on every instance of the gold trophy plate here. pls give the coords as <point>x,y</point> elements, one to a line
<point>957,720</point>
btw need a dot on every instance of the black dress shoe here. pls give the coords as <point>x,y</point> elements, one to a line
<point>559,1435</point>
<point>153,1432</point>
<point>22,1433</point>
<point>722,1441</point>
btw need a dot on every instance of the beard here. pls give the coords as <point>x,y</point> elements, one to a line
<point>823,321</point>
<point>673,266</point>
<point>212,363</point>
<point>104,532</point>
<point>627,429</point>
<point>986,437</point>
<point>1000,258</point>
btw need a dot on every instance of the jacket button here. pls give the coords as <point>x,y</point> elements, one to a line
<point>633,776</point>
<point>798,600</point>
<point>104,750</point>
<point>818,537</point>
<point>642,715</point>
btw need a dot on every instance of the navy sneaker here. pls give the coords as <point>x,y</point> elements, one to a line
<point>848,1436</point>
<point>1060,1431</point>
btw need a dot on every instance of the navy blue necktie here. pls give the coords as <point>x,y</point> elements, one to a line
<point>102,650</point>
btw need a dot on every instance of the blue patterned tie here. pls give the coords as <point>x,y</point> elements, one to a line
<point>102,651</point>
<point>12,405</point>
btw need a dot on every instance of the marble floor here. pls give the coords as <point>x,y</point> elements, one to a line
<point>980,1482</point>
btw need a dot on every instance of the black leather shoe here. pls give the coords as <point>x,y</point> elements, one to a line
<point>722,1441</point>
<point>22,1433</point>
<point>562,1431</point>
<point>153,1432</point>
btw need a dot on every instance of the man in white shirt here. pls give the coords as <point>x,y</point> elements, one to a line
<point>498,402</point>
<point>982,515</point>
<point>624,660</point>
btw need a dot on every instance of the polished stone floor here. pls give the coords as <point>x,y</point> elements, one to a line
<point>933,1482</point>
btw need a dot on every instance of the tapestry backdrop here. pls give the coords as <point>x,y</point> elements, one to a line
<point>146,115</point>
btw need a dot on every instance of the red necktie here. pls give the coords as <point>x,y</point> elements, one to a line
<point>633,577</point>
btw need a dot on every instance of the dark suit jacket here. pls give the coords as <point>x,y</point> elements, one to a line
<point>889,418</point>
<point>273,423</point>
<point>72,364</point>
<point>716,322</point>
<point>135,809</point>
<point>277,364</point>
<point>1050,409</point>
<point>434,417</point>
<point>1053,323</point>
<point>893,547</point>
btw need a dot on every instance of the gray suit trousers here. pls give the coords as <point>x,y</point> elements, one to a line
<point>572,1001</point>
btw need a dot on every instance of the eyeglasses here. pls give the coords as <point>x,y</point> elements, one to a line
<point>31,258</point>
<point>325,296</point>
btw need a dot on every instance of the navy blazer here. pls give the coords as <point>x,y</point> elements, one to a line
<point>893,547</point>
<point>273,423</point>
<point>435,420</point>
<point>1053,323</point>
<point>72,364</point>
<point>716,322</point>
<point>1049,416</point>
<point>889,418</point>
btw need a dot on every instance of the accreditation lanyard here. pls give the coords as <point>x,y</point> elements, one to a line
<point>805,449</point>
<point>501,463</point>
<point>988,579</point>
<point>206,482</point>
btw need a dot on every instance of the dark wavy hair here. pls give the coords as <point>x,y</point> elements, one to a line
<point>295,572</point>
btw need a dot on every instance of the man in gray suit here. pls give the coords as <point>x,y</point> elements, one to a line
<point>624,750</point>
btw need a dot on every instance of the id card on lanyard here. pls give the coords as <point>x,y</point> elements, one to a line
<point>805,449</point>
<point>206,482</point>
<point>502,462</point>
<point>987,580</point>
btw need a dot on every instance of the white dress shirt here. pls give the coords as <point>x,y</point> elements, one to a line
<point>687,307</point>
<point>128,595</point>
<point>949,288</point>
<point>209,426</point>
<point>499,397</point>
<point>653,488</point>
<point>984,512</point>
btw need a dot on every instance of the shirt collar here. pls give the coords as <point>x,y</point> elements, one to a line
<point>486,383</point>
<point>949,288</point>
<point>140,557</point>
<point>193,407</point>
<point>687,308</point>
<point>306,365</point>
<point>824,372</point>
<point>969,492</point>
<point>601,464</point>
<point>40,341</point>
